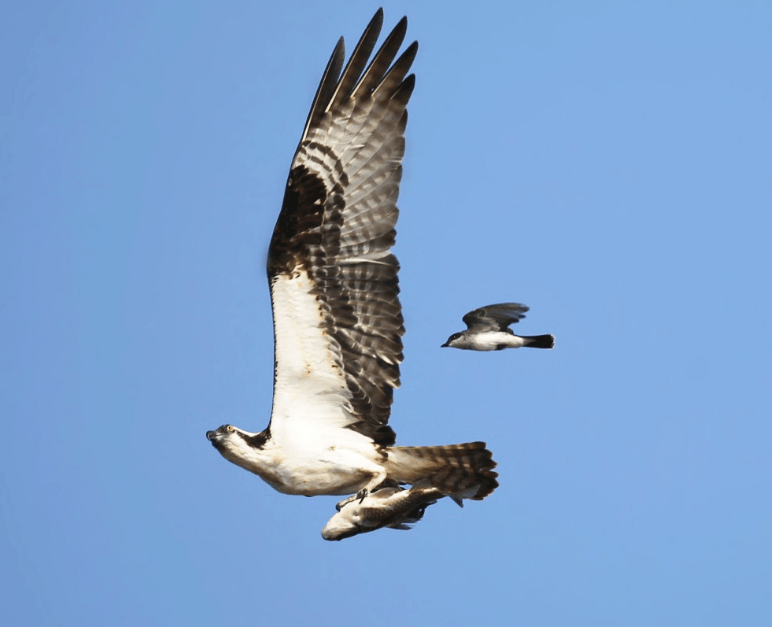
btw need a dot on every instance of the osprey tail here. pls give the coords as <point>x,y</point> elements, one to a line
<point>457,470</point>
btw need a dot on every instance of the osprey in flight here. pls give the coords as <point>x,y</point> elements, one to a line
<point>488,330</point>
<point>337,319</point>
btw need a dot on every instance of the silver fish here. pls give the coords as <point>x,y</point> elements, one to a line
<point>396,508</point>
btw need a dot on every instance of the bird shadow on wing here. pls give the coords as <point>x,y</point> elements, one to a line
<point>396,508</point>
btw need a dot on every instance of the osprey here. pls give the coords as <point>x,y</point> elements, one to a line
<point>488,330</point>
<point>337,318</point>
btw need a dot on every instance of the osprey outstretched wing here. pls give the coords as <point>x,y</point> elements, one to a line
<point>335,232</point>
<point>337,318</point>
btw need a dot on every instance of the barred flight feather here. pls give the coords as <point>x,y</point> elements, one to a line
<point>337,222</point>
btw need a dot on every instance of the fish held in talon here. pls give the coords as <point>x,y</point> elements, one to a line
<point>395,508</point>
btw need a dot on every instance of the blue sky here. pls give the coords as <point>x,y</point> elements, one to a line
<point>606,163</point>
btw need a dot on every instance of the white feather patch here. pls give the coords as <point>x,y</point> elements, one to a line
<point>311,398</point>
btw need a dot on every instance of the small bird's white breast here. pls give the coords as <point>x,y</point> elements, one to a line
<point>494,340</point>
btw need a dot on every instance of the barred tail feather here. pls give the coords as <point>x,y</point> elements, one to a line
<point>457,470</point>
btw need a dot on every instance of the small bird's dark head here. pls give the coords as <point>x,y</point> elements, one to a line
<point>452,339</point>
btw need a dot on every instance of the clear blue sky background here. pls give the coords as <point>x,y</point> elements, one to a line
<point>607,163</point>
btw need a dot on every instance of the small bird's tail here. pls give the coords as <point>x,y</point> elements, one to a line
<point>461,471</point>
<point>539,341</point>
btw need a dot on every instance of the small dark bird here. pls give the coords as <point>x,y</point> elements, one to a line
<point>489,330</point>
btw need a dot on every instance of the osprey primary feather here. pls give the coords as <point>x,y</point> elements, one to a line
<point>337,318</point>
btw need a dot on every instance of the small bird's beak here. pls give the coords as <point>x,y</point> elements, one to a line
<point>210,435</point>
<point>445,345</point>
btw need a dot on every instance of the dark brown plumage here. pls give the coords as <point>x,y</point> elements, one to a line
<point>339,213</point>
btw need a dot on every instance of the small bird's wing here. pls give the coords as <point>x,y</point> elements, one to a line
<point>337,318</point>
<point>495,317</point>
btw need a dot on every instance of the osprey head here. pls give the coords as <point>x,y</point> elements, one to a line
<point>221,436</point>
<point>229,439</point>
<point>454,340</point>
<point>244,449</point>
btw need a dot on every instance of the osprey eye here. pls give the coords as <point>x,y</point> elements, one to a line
<point>229,428</point>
